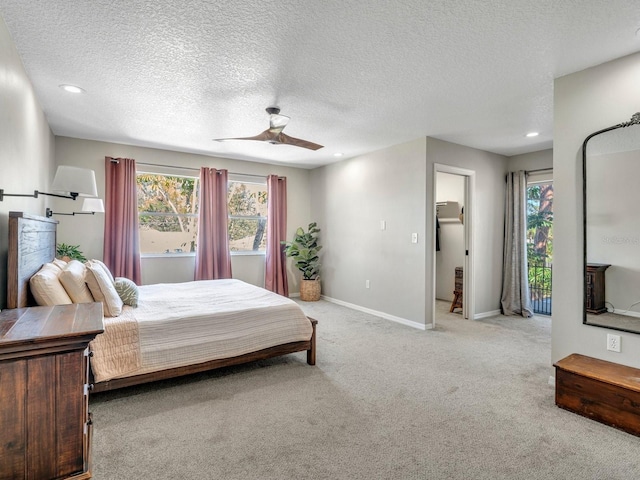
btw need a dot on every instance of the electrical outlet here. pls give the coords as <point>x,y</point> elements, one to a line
<point>414,238</point>
<point>613,342</point>
<point>366,284</point>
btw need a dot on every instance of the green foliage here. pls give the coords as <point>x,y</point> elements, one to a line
<point>71,251</point>
<point>304,249</point>
<point>540,237</point>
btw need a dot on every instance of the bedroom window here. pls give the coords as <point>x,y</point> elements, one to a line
<point>247,201</point>
<point>167,213</point>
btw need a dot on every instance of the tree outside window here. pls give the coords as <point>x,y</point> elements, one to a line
<point>167,213</point>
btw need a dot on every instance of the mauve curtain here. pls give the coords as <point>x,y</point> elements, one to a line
<point>213,259</point>
<point>515,283</point>
<point>121,235</point>
<point>276,268</point>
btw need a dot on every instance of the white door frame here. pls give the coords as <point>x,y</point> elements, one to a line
<point>468,297</point>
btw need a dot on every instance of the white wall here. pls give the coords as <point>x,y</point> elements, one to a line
<point>584,102</point>
<point>449,187</point>
<point>349,200</point>
<point>531,161</point>
<point>87,230</point>
<point>26,146</point>
<point>488,213</point>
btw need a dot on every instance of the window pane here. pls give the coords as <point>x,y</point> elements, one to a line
<point>167,213</point>
<point>247,199</point>
<point>247,235</point>
<point>171,194</point>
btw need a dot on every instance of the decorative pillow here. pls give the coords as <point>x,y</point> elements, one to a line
<point>59,263</point>
<point>103,289</point>
<point>46,287</point>
<point>128,291</point>
<point>72,279</point>
<point>105,268</point>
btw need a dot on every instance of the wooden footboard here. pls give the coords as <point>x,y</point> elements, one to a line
<point>309,346</point>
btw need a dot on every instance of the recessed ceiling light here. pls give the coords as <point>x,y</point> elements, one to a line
<point>71,88</point>
<point>532,134</point>
<point>338,154</point>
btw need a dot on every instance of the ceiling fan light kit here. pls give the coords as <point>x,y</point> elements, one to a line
<point>274,133</point>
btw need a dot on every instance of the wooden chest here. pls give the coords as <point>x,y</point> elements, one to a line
<point>603,391</point>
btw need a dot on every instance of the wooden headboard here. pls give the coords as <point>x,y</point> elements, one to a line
<point>32,243</point>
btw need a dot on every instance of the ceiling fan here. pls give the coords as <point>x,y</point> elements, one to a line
<point>274,133</point>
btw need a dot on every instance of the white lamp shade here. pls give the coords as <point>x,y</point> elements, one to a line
<point>75,180</point>
<point>93,205</point>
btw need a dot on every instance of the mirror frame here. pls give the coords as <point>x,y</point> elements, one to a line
<point>635,120</point>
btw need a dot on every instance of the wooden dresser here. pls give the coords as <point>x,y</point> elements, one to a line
<point>45,425</point>
<point>595,288</point>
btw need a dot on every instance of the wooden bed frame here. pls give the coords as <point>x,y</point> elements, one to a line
<point>32,243</point>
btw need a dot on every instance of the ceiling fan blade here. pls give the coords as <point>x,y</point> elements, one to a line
<point>297,142</point>
<point>265,136</point>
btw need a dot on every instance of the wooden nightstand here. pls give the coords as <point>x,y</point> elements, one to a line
<point>45,425</point>
<point>595,288</point>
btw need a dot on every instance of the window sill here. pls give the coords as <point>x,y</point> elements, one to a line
<point>191,254</point>
<point>167,255</point>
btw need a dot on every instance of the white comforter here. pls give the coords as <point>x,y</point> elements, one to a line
<point>186,323</point>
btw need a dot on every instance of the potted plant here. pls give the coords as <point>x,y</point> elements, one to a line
<point>69,252</point>
<point>304,250</point>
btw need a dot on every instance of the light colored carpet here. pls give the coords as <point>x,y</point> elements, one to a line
<point>468,400</point>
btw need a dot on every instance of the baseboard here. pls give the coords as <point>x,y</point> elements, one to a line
<point>386,316</point>
<point>492,313</point>
<point>626,313</point>
<point>294,295</point>
<point>552,380</point>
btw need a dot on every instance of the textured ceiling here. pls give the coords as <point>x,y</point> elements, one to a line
<point>353,75</point>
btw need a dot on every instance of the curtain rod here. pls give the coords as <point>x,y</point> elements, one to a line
<point>538,170</point>
<point>115,160</point>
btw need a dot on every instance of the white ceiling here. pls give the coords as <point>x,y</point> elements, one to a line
<point>353,75</point>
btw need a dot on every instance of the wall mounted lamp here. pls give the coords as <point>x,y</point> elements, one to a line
<point>90,206</point>
<point>71,182</point>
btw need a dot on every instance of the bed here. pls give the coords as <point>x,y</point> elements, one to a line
<point>176,329</point>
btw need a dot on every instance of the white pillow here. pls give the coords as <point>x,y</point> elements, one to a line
<point>106,269</point>
<point>46,287</point>
<point>102,288</point>
<point>59,263</point>
<point>72,279</point>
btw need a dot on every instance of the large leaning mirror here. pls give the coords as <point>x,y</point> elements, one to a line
<point>611,168</point>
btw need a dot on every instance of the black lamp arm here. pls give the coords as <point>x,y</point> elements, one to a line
<point>72,195</point>
<point>49,213</point>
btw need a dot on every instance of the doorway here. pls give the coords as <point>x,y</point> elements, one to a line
<point>453,190</point>
<point>540,244</point>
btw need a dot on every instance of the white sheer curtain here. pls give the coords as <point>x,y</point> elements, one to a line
<point>515,285</point>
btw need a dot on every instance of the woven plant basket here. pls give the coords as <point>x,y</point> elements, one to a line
<point>310,290</point>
